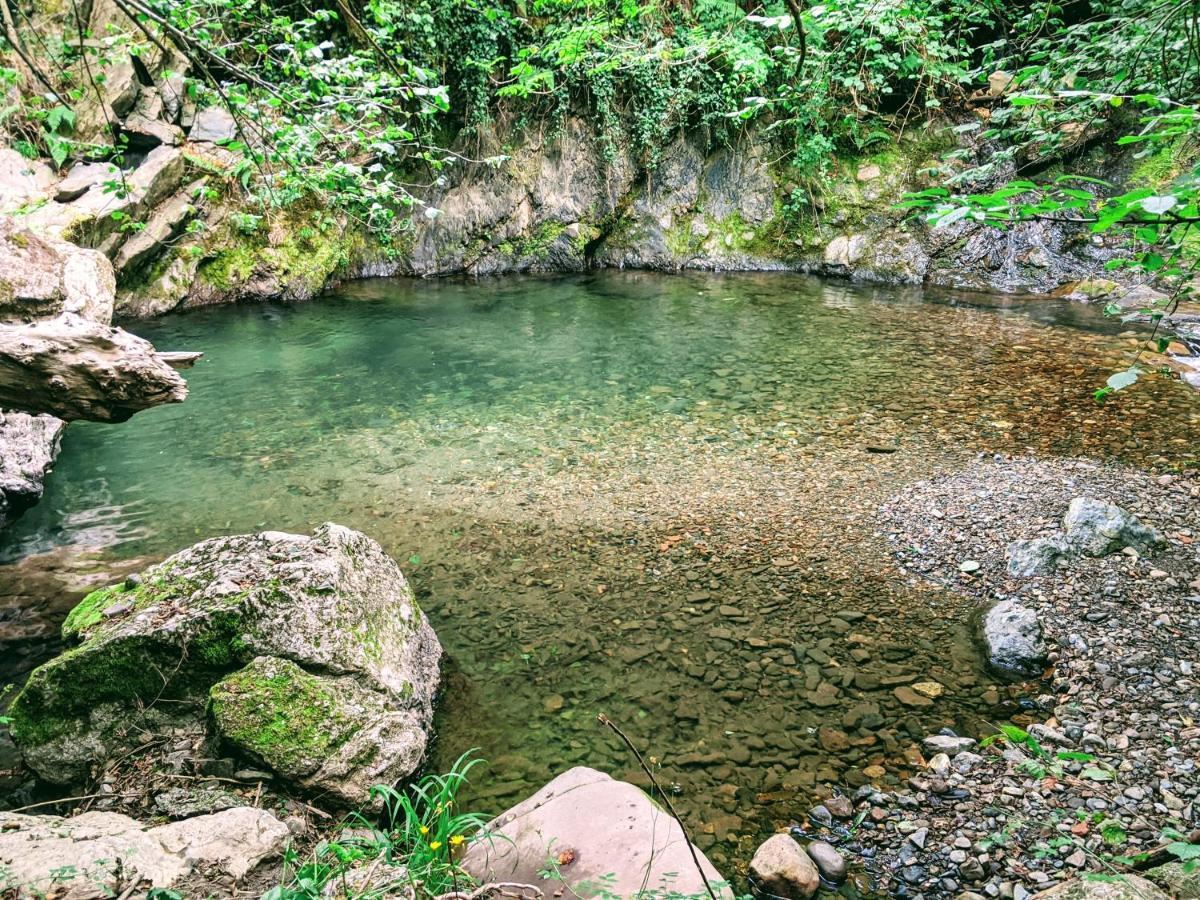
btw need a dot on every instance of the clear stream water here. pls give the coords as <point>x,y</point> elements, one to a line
<point>644,495</point>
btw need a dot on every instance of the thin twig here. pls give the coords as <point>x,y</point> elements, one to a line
<point>606,721</point>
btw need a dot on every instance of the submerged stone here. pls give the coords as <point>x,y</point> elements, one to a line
<point>333,603</point>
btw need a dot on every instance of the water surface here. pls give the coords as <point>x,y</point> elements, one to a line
<point>643,495</point>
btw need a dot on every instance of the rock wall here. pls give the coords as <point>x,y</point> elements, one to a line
<point>554,202</point>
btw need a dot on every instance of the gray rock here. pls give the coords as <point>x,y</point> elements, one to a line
<point>1122,887</point>
<point>1013,637</point>
<point>1038,556</point>
<point>43,277</point>
<point>948,744</point>
<point>781,868</point>
<point>333,604</point>
<point>166,222</point>
<point>213,124</point>
<point>593,827</point>
<point>1097,528</point>
<point>81,178</point>
<point>95,854</point>
<point>146,133</point>
<point>28,448</point>
<point>828,861</point>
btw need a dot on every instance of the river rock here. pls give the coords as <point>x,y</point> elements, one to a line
<point>98,854</point>
<point>333,604</point>
<point>1038,556</point>
<point>781,868</point>
<point>592,827</point>
<point>1097,528</point>
<point>1122,887</point>
<point>827,860</point>
<point>28,448</point>
<point>845,250</point>
<point>1014,639</point>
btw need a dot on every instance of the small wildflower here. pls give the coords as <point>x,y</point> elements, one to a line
<point>424,829</point>
<point>435,845</point>
<point>456,840</point>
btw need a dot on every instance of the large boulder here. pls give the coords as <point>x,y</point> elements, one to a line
<point>1097,528</point>
<point>598,832</point>
<point>101,854</point>
<point>1013,636</point>
<point>333,606</point>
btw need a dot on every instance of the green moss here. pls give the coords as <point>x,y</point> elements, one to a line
<point>279,713</point>
<point>536,246</point>
<point>301,257</point>
<point>1163,166</point>
<point>128,669</point>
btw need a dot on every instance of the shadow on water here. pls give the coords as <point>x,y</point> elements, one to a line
<point>643,495</point>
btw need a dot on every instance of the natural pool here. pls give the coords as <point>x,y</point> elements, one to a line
<point>644,495</point>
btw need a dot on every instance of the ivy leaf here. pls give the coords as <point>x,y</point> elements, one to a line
<point>1184,850</point>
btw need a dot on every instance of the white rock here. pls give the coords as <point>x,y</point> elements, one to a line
<point>100,851</point>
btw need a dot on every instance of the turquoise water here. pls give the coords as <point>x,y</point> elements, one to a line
<point>643,495</point>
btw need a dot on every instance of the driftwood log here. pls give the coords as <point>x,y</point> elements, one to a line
<point>75,368</point>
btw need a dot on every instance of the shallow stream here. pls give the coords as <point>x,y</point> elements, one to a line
<point>641,495</point>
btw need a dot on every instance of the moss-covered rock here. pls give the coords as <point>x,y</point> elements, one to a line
<point>330,735</point>
<point>154,645</point>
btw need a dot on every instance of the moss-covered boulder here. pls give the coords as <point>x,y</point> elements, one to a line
<point>331,735</point>
<point>150,649</point>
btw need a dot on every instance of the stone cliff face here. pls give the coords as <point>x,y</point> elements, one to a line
<point>554,202</point>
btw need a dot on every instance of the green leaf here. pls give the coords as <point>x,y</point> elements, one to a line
<point>1184,850</point>
<point>1094,774</point>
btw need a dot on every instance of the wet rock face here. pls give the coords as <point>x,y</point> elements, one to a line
<point>98,854</point>
<point>598,831</point>
<point>28,448</point>
<point>1014,639</point>
<point>264,618</point>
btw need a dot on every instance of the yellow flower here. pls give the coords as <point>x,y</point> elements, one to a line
<point>424,829</point>
<point>436,845</point>
<point>456,840</point>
